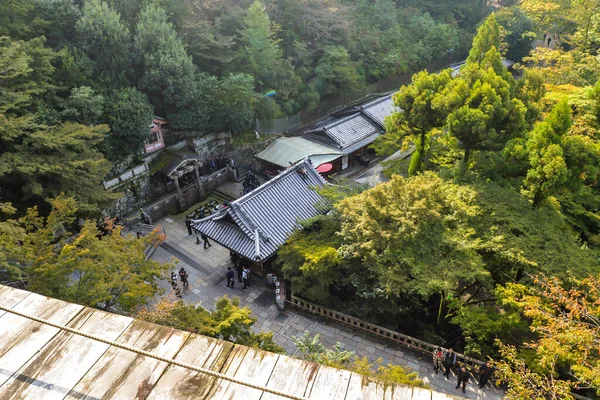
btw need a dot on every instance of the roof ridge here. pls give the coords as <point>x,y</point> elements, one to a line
<point>344,119</point>
<point>272,181</point>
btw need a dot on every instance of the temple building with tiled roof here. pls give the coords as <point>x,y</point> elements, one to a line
<point>258,223</point>
<point>352,130</point>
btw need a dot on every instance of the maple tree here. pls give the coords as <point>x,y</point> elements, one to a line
<point>566,317</point>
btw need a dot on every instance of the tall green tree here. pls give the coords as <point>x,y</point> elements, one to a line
<point>39,162</point>
<point>106,41</point>
<point>261,52</point>
<point>84,106</point>
<point>165,71</point>
<point>336,72</point>
<point>488,37</point>
<point>59,17</point>
<point>482,104</point>
<point>557,158</point>
<point>128,114</point>
<point>417,243</point>
<point>416,119</point>
<point>236,93</point>
<point>15,20</point>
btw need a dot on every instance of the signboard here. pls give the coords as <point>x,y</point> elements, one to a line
<point>139,169</point>
<point>344,162</point>
<point>111,183</point>
<point>126,175</point>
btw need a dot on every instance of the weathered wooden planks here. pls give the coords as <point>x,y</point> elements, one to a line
<point>122,374</point>
<point>249,365</point>
<point>10,297</point>
<point>22,338</point>
<point>40,362</point>
<point>330,383</point>
<point>291,376</point>
<point>364,388</point>
<point>181,383</point>
<point>63,361</point>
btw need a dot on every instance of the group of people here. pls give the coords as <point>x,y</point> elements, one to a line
<point>220,162</point>
<point>549,38</point>
<point>243,276</point>
<point>445,361</point>
<point>183,279</point>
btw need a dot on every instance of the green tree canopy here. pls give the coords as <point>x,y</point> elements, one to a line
<point>416,119</point>
<point>128,114</point>
<point>227,321</point>
<point>106,41</point>
<point>488,37</point>
<point>108,272</point>
<point>413,234</point>
<point>261,51</point>
<point>164,69</point>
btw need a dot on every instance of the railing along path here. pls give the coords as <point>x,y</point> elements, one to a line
<point>387,334</point>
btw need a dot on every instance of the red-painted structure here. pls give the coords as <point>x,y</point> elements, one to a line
<point>156,139</point>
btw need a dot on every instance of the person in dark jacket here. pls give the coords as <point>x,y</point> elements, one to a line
<point>485,373</point>
<point>184,277</point>
<point>240,272</point>
<point>449,362</point>
<point>188,224</point>
<point>463,378</point>
<point>205,239</point>
<point>230,280</point>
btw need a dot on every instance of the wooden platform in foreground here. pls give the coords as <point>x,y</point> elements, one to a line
<point>41,362</point>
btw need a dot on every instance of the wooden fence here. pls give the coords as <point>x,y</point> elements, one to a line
<point>387,334</point>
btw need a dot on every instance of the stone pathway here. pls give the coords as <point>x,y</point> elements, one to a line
<point>207,269</point>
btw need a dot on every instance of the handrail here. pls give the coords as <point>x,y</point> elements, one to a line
<point>388,334</point>
<point>152,227</point>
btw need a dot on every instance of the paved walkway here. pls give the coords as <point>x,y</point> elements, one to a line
<point>207,268</point>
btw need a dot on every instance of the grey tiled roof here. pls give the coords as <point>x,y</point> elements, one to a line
<point>344,132</point>
<point>378,109</point>
<point>351,132</point>
<point>256,224</point>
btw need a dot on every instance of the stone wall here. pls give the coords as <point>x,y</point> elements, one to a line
<point>165,206</point>
<point>210,145</point>
<point>136,192</point>
<point>244,154</point>
<point>143,191</point>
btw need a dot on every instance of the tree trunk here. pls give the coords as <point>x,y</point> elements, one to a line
<point>466,157</point>
<point>440,308</point>
<point>537,198</point>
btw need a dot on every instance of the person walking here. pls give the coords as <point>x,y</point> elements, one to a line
<point>248,275</point>
<point>485,373</point>
<point>230,280</point>
<point>188,224</point>
<point>245,277</point>
<point>240,272</point>
<point>205,239</point>
<point>184,277</point>
<point>463,378</point>
<point>449,362</point>
<point>438,359</point>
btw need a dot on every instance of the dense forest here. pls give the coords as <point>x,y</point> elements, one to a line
<point>487,239</point>
<point>84,78</point>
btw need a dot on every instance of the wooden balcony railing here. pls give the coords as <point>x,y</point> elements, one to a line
<point>387,334</point>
